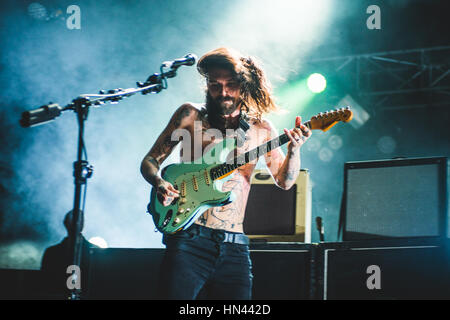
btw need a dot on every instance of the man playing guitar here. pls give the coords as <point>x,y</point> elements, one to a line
<point>210,259</point>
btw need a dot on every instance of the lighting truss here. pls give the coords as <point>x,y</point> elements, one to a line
<point>394,79</point>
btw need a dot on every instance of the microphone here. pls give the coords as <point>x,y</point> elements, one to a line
<point>38,116</point>
<point>187,60</point>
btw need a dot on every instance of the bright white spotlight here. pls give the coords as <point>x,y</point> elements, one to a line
<point>316,82</point>
<point>279,32</point>
<point>98,241</point>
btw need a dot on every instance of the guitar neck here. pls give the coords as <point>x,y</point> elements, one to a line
<point>242,159</point>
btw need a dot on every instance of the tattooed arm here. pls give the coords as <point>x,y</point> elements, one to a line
<point>288,172</point>
<point>285,170</point>
<point>162,148</point>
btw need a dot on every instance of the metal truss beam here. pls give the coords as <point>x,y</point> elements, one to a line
<point>393,77</point>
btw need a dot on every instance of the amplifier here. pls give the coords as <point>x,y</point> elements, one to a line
<point>119,273</point>
<point>387,269</point>
<point>279,272</point>
<point>398,198</point>
<point>277,215</point>
<point>377,269</point>
<point>282,271</point>
<point>20,284</point>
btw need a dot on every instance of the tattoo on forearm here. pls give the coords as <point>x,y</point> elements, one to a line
<point>290,175</point>
<point>153,161</point>
<point>168,143</point>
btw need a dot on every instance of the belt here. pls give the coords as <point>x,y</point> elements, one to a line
<point>218,235</point>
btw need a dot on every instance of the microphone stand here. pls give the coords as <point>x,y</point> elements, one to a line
<point>82,169</point>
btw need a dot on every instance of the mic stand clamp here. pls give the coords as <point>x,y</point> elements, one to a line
<point>82,170</point>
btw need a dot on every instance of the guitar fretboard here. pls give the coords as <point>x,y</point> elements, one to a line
<point>242,159</point>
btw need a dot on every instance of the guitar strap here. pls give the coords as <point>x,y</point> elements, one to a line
<point>243,127</point>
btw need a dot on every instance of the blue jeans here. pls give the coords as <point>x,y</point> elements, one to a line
<point>199,267</point>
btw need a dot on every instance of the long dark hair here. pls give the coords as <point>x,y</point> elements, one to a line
<point>256,92</point>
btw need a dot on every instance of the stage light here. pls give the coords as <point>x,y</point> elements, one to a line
<point>316,82</point>
<point>98,241</point>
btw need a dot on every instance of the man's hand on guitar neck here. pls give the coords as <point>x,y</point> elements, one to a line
<point>298,135</point>
<point>287,172</point>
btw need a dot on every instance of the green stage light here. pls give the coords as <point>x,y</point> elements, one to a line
<point>316,82</point>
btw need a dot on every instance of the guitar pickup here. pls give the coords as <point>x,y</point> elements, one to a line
<point>183,189</point>
<point>208,182</point>
<point>195,183</point>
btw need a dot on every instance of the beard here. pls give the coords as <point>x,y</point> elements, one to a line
<point>220,106</point>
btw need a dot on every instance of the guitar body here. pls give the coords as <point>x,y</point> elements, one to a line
<point>198,191</point>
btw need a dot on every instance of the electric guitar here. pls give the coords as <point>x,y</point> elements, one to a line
<point>200,184</point>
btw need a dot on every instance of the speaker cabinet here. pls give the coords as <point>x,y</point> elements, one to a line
<point>282,272</point>
<point>384,271</point>
<point>277,215</point>
<point>279,272</point>
<point>394,199</point>
<point>118,273</point>
<point>378,269</point>
<point>21,284</point>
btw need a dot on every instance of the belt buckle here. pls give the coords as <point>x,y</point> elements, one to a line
<point>218,236</point>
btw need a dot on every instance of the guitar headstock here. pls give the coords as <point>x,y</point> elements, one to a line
<point>325,120</point>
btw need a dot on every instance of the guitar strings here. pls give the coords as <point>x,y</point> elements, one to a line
<point>201,176</point>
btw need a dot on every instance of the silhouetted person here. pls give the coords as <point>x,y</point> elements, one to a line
<point>58,258</point>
